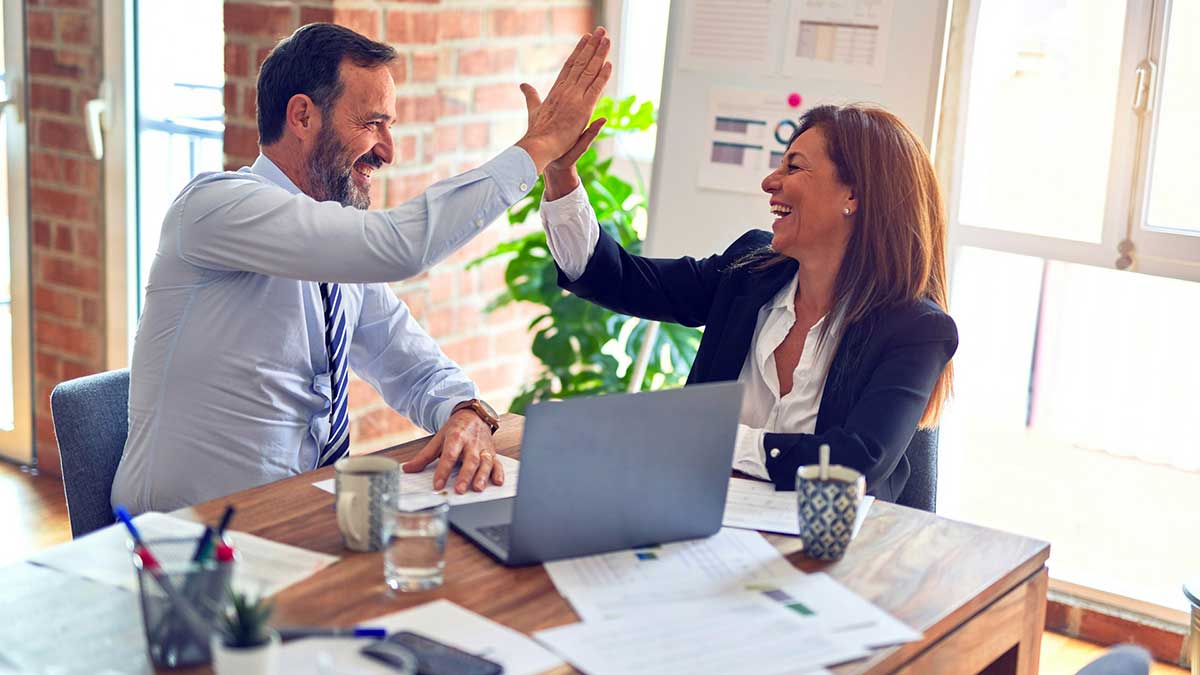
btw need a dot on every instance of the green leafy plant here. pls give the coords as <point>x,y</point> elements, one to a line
<point>586,349</point>
<point>245,624</point>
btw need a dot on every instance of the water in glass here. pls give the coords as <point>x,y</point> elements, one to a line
<point>415,559</point>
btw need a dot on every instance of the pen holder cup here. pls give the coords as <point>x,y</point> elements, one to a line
<point>827,508</point>
<point>179,636</point>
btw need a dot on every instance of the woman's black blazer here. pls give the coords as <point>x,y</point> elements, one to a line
<point>878,383</point>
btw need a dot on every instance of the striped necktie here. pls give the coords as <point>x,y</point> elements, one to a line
<point>335,344</point>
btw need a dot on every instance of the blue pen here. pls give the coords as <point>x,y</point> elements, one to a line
<point>122,515</point>
<point>294,632</point>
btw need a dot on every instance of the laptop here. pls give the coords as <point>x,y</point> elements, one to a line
<point>613,472</point>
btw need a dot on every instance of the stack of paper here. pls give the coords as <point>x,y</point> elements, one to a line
<point>264,567</point>
<point>441,620</point>
<point>755,505</point>
<point>416,489</point>
<point>645,610</point>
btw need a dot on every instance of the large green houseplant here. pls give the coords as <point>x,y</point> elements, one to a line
<point>585,349</point>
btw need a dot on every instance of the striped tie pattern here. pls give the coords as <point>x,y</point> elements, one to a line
<point>335,343</point>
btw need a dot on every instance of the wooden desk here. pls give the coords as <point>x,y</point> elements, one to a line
<point>978,595</point>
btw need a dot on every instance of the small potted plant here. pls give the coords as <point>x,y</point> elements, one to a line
<point>246,645</point>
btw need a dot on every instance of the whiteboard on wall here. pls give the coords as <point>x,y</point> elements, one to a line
<point>733,74</point>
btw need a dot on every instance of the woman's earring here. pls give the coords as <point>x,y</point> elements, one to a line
<point>846,211</point>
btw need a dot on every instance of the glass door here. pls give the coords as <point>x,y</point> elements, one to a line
<point>16,438</point>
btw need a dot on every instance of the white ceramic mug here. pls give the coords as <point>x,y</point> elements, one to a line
<point>363,486</point>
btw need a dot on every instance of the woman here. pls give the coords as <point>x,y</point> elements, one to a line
<point>835,322</point>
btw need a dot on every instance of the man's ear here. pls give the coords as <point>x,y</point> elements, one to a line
<point>302,117</point>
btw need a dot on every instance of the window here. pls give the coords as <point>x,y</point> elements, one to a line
<point>1073,418</point>
<point>643,43</point>
<point>16,420</point>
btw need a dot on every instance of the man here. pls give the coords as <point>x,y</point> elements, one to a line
<point>268,283</point>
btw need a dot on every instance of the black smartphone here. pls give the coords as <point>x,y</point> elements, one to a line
<point>433,657</point>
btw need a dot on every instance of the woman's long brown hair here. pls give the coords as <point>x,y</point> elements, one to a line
<point>896,253</point>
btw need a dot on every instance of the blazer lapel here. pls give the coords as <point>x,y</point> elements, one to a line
<point>737,331</point>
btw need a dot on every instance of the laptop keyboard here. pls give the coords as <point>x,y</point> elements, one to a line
<point>497,534</point>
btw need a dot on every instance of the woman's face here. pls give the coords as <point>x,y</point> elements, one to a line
<point>808,199</point>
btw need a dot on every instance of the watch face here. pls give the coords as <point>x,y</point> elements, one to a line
<point>488,408</point>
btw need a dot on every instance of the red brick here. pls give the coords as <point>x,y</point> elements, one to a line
<point>513,342</point>
<point>494,378</point>
<point>250,102</point>
<point>416,109</point>
<point>1110,630</point>
<point>486,61</point>
<point>63,239</point>
<point>41,233</point>
<point>269,21</point>
<point>45,166</point>
<point>406,28</point>
<point>498,97</point>
<point>404,187</point>
<point>406,149</point>
<point>43,61</point>
<point>459,25</point>
<point>91,312</point>
<point>362,21</point>
<point>424,67</point>
<point>61,135</point>
<point>231,98</point>
<point>507,22</point>
<point>83,174</point>
<point>49,302</point>
<point>379,423</point>
<point>475,135</point>
<point>362,394</point>
<point>241,140</point>
<point>74,369</point>
<point>544,58</point>
<point>89,243</point>
<point>445,139</point>
<point>75,29</point>
<point>68,4</point>
<point>454,101</point>
<point>399,71</point>
<point>259,57</point>
<point>78,341</point>
<point>316,15</point>
<point>570,20</point>
<point>70,273</point>
<point>40,25</point>
<point>49,98</point>
<point>439,321</point>
<point>237,60</point>
<point>467,351</point>
<point>48,366</point>
<point>60,204</point>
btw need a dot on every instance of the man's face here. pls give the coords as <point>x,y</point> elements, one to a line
<point>355,137</point>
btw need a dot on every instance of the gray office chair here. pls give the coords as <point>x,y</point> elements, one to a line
<point>920,492</point>
<point>91,421</point>
<point>1121,660</point>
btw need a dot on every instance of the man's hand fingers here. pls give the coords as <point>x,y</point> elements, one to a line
<point>532,100</point>
<point>452,449</point>
<point>596,88</point>
<point>466,474</point>
<point>585,139</point>
<point>596,63</point>
<point>570,62</point>
<point>426,455</point>
<point>486,460</point>
<point>498,473</point>
<point>585,56</point>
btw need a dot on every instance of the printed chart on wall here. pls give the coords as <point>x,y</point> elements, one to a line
<point>838,39</point>
<point>730,36</point>
<point>748,132</point>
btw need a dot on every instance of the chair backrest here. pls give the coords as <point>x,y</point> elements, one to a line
<point>920,492</point>
<point>1120,660</point>
<point>91,422</point>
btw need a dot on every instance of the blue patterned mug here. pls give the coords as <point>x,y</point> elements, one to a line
<point>828,508</point>
<point>364,486</point>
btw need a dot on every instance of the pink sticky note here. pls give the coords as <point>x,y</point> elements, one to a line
<point>794,100</point>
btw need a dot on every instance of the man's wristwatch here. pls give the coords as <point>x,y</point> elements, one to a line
<point>480,407</point>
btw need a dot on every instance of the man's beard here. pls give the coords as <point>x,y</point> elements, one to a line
<point>330,176</point>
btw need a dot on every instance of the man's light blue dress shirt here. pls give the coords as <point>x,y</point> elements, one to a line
<point>230,384</point>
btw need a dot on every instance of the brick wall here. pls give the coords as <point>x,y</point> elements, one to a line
<point>458,103</point>
<point>65,207</point>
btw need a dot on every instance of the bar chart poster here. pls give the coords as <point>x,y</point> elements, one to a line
<point>748,133</point>
<point>838,39</point>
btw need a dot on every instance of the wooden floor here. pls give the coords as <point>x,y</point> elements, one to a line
<point>35,517</point>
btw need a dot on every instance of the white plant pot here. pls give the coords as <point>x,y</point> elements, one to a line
<point>260,660</point>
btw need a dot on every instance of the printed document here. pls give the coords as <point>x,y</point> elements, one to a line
<point>416,489</point>
<point>756,505</point>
